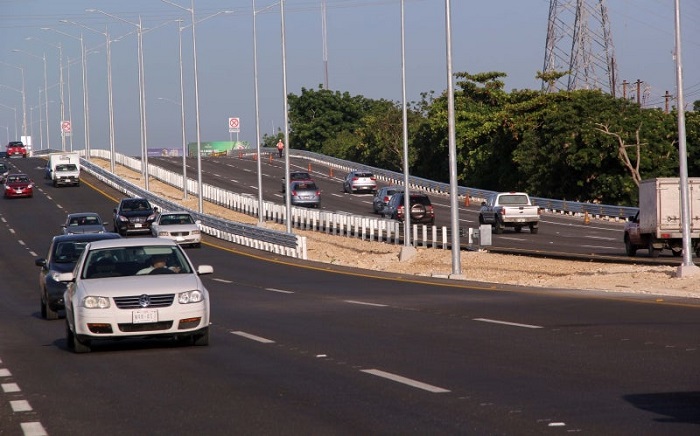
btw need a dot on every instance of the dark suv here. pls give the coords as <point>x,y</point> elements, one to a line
<point>134,215</point>
<point>422,211</point>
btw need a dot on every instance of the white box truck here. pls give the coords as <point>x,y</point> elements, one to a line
<point>657,225</point>
<point>63,169</point>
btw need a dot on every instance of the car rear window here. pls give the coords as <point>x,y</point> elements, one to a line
<point>364,175</point>
<point>513,199</point>
<point>305,186</point>
<point>422,199</point>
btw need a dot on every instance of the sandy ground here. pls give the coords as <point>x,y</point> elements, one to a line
<point>475,266</point>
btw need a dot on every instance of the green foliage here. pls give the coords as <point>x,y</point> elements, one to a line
<point>565,145</point>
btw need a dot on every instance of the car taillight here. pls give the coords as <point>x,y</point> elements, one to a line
<point>373,178</point>
<point>430,210</point>
<point>386,198</point>
<point>318,193</point>
<point>294,193</point>
<point>354,179</point>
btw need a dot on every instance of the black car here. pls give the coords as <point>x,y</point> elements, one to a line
<point>63,253</point>
<point>134,215</point>
<point>422,211</point>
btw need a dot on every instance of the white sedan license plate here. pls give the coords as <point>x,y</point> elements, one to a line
<point>144,316</point>
<point>520,220</point>
<point>138,226</point>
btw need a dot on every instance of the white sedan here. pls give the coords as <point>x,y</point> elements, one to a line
<point>178,226</point>
<point>106,298</point>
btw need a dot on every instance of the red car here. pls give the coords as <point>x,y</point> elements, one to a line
<point>19,185</point>
<point>16,149</point>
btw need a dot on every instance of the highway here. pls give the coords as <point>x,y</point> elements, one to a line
<point>302,348</point>
<point>559,235</point>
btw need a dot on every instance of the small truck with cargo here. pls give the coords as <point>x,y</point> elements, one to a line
<point>657,226</point>
<point>510,209</point>
<point>63,169</point>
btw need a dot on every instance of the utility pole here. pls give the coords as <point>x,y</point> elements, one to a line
<point>624,89</point>
<point>639,92</point>
<point>667,98</point>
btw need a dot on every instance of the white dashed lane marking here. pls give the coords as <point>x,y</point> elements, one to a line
<point>406,381</point>
<point>513,324</point>
<point>10,387</point>
<point>20,406</point>
<point>253,337</point>
<point>33,429</point>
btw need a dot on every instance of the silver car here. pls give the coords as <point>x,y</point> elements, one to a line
<point>360,181</point>
<point>178,226</point>
<point>109,296</point>
<point>84,222</point>
<point>305,193</point>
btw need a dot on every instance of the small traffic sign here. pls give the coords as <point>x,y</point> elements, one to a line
<point>234,125</point>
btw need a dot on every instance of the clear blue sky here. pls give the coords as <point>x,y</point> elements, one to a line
<point>363,40</point>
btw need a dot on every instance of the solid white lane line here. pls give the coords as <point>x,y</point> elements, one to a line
<point>253,337</point>
<point>406,381</point>
<point>222,280</point>
<point>10,387</point>
<point>20,406</point>
<point>4,372</point>
<point>281,291</point>
<point>514,324</point>
<point>33,429</point>
<point>365,303</point>
<point>21,242</point>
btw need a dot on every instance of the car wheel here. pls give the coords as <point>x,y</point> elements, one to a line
<point>73,342</point>
<point>498,226</point>
<point>43,309</point>
<point>677,253</point>
<point>47,312</point>
<point>534,229</point>
<point>653,252</point>
<point>630,249</point>
<point>481,219</point>
<point>201,339</point>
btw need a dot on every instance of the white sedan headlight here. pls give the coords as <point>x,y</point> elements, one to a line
<point>194,296</point>
<point>94,302</point>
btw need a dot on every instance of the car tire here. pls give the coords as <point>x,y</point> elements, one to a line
<point>481,219</point>
<point>630,249</point>
<point>653,252</point>
<point>534,229</point>
<point>47,312</point>
<point>498,226</point>
<point>73,343</point>
<point>201,339</point>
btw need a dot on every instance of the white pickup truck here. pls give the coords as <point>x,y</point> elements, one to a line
<point>510,209</point>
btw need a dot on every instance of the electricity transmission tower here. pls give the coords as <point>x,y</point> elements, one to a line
<point>579,42</point>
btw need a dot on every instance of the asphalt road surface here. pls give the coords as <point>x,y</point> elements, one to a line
<point>300,348</point>
<point>559,235</point>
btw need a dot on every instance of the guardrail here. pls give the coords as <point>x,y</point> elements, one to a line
<point>283,243</point>
<point>342,223</point>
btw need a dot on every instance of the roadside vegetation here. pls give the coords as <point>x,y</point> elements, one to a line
<point>580,146</point>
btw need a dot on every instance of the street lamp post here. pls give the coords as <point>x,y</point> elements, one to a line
<point>200,205</point>
<point>184,141</point>
<point>7,132</point>
<point>46,91</point>
<point>108,47</point>
<point>60,81</point>
<point>24,100</point>
<point>15,110</point>
<point>85,86</point>
<point>142,93</point>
